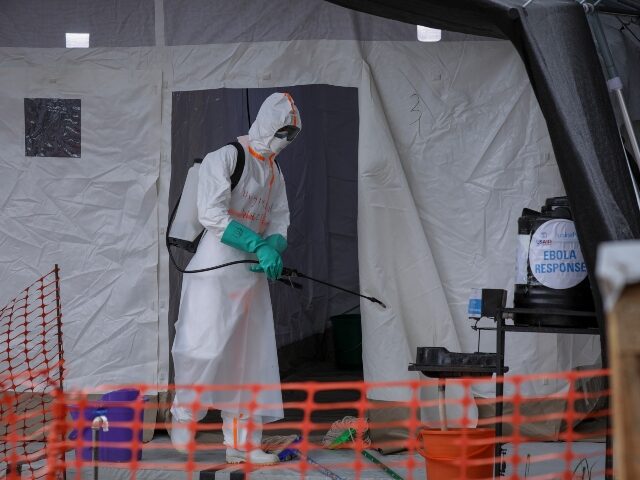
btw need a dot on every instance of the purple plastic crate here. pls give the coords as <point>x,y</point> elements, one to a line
<point>119,408</point>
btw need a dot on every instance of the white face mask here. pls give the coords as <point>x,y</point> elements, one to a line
<point>276,145</point>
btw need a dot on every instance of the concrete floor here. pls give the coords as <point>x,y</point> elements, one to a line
<point>160,461</point>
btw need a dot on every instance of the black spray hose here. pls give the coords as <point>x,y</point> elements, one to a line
<point>286,272</point>
<point>289,283</point>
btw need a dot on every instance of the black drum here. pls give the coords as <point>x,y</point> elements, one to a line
<point>550,268</point>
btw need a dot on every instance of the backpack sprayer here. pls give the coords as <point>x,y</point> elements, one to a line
<point>185,231</point>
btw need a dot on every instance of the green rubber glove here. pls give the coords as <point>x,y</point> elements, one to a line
<point>270,261</point>
<point>278,242</point>
<point>243,238</point>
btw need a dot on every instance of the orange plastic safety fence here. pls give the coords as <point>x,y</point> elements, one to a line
<point>31,364</point>
<point>557,436</point>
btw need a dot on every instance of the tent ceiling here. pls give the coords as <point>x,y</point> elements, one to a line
<point>110,23</point>
<point>43,24</point>
<point>624,7</point>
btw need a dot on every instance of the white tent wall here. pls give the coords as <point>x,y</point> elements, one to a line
<point>452,147</point>
<point>95,215</point>
<point>475,151</point>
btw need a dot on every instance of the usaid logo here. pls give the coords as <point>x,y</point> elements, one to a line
<point>542,240</point>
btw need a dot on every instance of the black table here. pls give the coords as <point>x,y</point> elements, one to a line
<point>502,328</point>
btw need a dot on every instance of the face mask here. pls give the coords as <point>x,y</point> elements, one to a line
<point>283,137</point>
<point>276,145</point>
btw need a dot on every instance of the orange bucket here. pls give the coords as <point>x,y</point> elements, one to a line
<point>446,450</point>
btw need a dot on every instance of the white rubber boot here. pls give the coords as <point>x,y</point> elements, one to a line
<point>255,457</point>
<point>236,437</point>
<point>180,435</point>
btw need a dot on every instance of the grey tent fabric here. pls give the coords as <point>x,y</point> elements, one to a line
<point>556,46</point>
<point>43,23</point>
<point>199,22</point>
<point>193,22</point>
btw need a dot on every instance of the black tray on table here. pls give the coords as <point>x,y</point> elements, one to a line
<point>438,362</point>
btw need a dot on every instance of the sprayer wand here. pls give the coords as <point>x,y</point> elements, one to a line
<point>291,272</point>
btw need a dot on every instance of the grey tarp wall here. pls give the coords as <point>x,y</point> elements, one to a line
<point>556,46</point>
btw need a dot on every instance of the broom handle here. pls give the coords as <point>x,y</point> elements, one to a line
<point>382,466</point>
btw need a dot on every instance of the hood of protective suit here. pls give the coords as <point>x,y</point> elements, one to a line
<point>277,111</point>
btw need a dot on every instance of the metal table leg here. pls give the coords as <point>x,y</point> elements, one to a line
<point>500,337</point>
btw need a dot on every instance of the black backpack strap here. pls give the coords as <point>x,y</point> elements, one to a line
<point>237,172</point>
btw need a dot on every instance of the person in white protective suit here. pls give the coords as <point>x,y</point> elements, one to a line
<point>225,334</point>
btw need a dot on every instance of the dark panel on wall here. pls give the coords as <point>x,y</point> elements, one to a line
<point>52,127</point>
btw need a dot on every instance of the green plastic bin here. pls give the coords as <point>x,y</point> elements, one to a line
<point>347,341</point>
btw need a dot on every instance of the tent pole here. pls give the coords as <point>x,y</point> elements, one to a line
<point>628,125</point>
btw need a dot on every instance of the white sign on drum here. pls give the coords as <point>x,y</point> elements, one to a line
<point>555,257</point>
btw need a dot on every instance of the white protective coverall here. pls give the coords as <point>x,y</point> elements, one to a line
<point>225,332</point>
